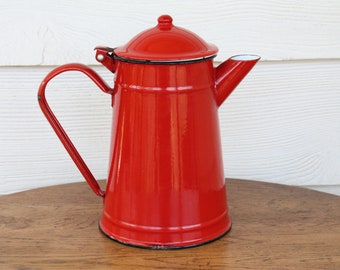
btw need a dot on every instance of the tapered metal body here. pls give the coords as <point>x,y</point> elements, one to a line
<point>165,186</point>
<point>166,183</point>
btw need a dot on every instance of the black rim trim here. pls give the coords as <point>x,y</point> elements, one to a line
<point>165,247</point>
<point>153,62</point>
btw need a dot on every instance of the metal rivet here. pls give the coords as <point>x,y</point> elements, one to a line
<point>100,57</point>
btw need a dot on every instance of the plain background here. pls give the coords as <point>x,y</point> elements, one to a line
<point>282,124</point>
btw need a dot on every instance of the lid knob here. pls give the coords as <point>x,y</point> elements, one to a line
<point>165,22</point>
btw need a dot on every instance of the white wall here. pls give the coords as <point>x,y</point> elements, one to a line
<point>282,124</point>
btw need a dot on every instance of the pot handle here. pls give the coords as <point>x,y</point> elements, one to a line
<point>72,151</point>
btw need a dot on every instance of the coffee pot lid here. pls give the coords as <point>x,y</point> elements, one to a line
<point>166,43</point>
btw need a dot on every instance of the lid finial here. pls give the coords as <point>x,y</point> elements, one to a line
<point>165,22</point>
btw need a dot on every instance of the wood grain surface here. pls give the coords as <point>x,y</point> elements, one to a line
<point>274,227</point>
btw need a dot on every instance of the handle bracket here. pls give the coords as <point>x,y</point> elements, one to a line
<point>104,55</point>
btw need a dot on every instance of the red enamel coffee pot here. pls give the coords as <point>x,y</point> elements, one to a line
<point>165,187</point>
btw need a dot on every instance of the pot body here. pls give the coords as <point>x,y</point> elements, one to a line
<point>165,186</point>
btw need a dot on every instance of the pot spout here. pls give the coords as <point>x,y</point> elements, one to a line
<point>231,72</point>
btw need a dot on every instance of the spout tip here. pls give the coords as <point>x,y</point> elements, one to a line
<point>230,73</point>
<point>245,57</point>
